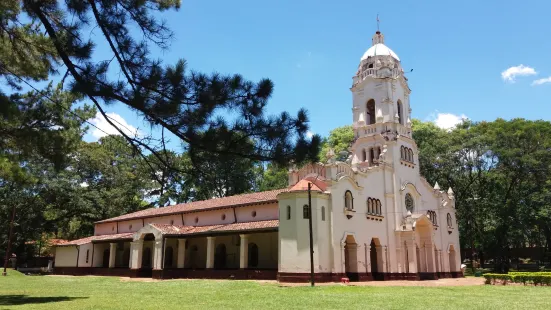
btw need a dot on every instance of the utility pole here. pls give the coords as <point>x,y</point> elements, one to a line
<point>5,273</point>
<point>311,234</point>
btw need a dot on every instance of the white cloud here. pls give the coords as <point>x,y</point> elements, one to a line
<point>448,120</point>
<point>106,129</point>
<point>510,74</point>
<point>309,134</point>
<point>542,81</point>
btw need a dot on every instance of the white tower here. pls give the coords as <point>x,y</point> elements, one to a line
<point>381,110</point>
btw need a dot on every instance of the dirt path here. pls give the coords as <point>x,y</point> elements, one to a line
<point>441,282</point>
<point>469,281</point>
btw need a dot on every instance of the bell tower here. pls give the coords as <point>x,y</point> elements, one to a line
<point>381,109</point>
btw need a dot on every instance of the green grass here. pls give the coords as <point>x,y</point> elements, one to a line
<point>43,292</point>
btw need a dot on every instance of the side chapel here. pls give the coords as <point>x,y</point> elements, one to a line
<point>374,216</point>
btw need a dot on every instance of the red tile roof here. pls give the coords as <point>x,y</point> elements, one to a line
<point>217,203</point>
<point>302,185</point>
<point>114,237</point>
<point>193,230</point>
<point>172,230</point>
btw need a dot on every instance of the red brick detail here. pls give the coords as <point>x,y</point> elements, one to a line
<point>97,271</point>
<point>229,274</point>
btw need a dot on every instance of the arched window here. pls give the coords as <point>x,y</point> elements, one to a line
<point>169,256</point>
<point>323,213</point>
<point>379,211</point>
<point>364,155</point>
<point>288,212</point>
<point>409,202</point>
<point>371,111</point>
<point>87,255</point>
<point>400,120</point>
<point>369,206</point>
<point>371,155</point>
<point>348,200</point>
<point>305,212</point>
<point>450,222</point>
<point>410,155</point>
<point>253,255</point>
<point>435,218</point>
<point>403,152</point>
<point>370,66</point>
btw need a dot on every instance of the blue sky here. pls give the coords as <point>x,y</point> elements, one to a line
<point>466,55</point>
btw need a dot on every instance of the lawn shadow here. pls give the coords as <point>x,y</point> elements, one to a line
<point>15,300</point>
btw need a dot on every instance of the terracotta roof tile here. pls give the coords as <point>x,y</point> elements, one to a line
<point>237,200</point>
<point>113,237</point>
<point>172,230</point>
<point>191,230</point>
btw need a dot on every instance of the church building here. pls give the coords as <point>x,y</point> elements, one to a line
<point>374,217</point>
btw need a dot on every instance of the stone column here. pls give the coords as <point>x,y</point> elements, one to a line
<point>210,252</point>
<point>158,254</point>
<point>181,253</point>
<point>112,254</point>
<point>244,252</point>
<point>136,250</point>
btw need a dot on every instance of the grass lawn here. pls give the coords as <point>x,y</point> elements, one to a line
<point>44,292</point>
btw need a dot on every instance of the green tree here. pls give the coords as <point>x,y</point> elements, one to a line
<point>340,139</point>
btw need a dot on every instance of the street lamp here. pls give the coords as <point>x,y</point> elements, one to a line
<point>311,234</point>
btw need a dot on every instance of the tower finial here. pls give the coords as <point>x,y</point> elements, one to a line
<point>378,23</point>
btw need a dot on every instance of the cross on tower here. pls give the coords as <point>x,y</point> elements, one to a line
<point>378,22</point>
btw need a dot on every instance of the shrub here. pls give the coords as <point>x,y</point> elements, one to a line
<point>535,278</point>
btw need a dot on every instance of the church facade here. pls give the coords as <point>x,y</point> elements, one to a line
<point>374,217</point>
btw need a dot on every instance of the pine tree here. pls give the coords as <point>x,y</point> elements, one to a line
<point>186,103</point>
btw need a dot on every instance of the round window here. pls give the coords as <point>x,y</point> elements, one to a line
<point>253,213</point>
<point>409,203</point>
<point>223,217</point>
<point>130,227</point>
<point>196,220</point>
<point>171,222</point>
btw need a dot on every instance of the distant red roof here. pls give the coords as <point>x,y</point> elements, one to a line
<point>217,203</point>
<point>50,241</point>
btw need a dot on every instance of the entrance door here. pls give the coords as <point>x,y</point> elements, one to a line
<point>374,257</point>
<point>105,260</point>
<point>220,257</point>
<point>351,259</point>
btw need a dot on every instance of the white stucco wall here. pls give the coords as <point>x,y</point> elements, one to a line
<point>66,256</point>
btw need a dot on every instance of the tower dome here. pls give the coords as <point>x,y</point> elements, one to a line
<point>379,48</point>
